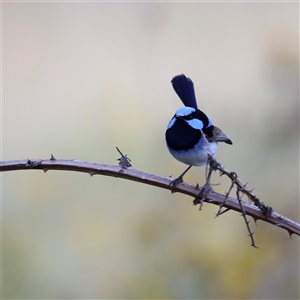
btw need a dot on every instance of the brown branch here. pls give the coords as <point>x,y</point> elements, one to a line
<point>154,180</point>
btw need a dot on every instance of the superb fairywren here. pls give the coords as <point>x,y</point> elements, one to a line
<point>191,135</point>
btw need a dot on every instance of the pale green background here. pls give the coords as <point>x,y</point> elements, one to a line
<point>80,79</point>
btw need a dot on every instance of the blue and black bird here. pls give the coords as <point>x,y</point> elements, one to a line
<point>191,135</point>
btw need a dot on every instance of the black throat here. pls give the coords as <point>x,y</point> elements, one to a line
<point>181,136</point>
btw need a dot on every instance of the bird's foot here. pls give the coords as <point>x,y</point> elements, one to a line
<point>202,195</point>
<point>178,180</point>
<point>175,182</point>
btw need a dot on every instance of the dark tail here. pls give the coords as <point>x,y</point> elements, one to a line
<point>184,88</point>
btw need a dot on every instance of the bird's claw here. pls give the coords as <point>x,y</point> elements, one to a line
<point>202,195</point>
<point>174,183</point>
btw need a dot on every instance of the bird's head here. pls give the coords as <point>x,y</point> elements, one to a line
<point>192,116</point>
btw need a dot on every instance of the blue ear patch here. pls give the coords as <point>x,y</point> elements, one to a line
<point>195,123</point>
<point>171,123</point>
<point>184,88</point>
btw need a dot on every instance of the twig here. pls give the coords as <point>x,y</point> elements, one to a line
<point>245,218</point>
<point>220,212</point>
<point>265,209</point>
<point>124,161</point>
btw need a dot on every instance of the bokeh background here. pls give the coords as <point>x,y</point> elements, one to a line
<point>79,79</point>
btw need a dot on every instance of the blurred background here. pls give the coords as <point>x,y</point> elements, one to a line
<point>79,79</point>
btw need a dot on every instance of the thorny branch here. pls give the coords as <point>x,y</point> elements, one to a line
<point>258,211</point>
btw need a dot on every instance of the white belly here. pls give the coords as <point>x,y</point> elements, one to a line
<point>198,155</point>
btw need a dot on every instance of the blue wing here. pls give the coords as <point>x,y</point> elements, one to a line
<point>184,88</point>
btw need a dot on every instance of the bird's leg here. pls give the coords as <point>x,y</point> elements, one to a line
<point>212,164</point>
<point>179,179</point>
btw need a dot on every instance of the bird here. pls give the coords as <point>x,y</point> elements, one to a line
<point>191,135</point>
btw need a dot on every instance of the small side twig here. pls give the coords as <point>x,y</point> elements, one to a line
<point>226,196</point>
<point>124,161</point>
<point>245,218</point>
<point>265,209</point>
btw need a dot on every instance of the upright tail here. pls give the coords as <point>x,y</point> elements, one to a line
<point>184,88</point>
